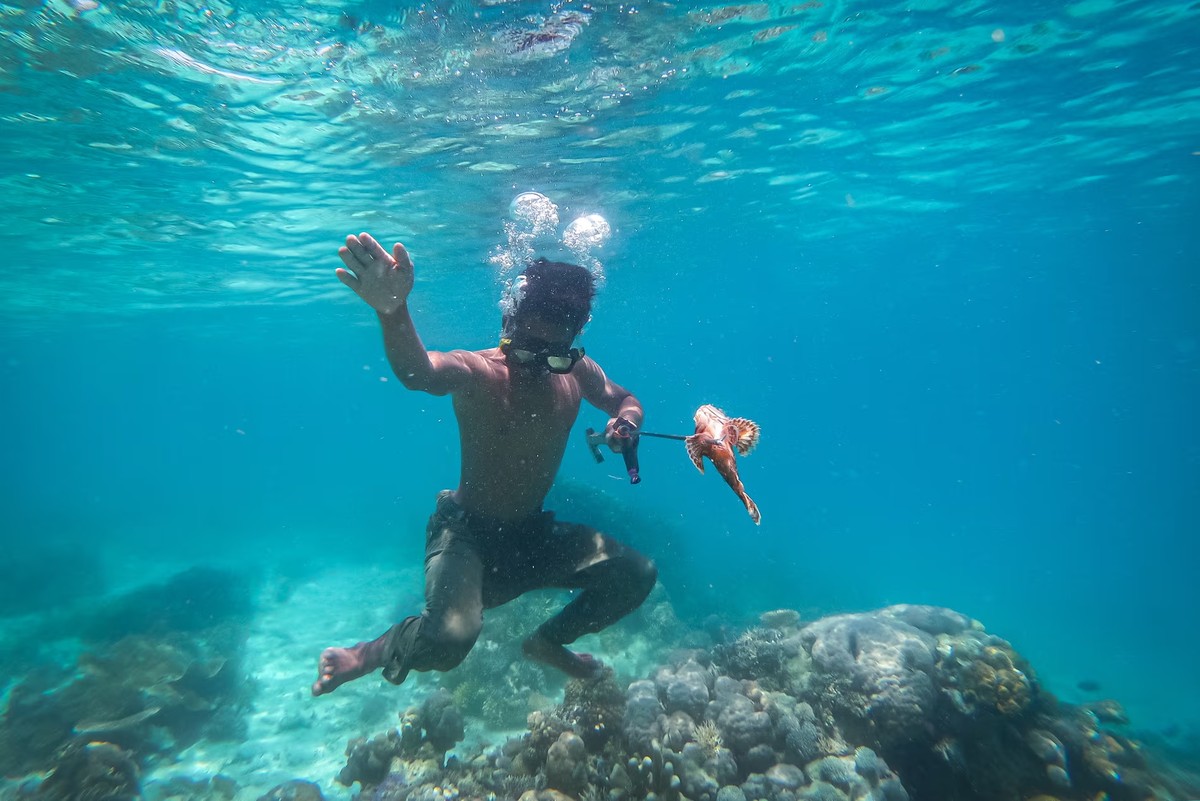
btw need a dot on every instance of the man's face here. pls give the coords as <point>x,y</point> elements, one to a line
<point>536,338</point>
<point>535,330</point>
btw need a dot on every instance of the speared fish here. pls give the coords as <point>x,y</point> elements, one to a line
<point>717,437</point>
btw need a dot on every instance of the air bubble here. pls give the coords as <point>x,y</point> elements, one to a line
<point>586,233</point>
<point>536,212</point>
<point>534,219</point>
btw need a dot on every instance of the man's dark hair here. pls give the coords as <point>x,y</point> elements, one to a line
<point>556,291</point>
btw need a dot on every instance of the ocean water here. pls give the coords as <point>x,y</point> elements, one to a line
<point>945,253</point>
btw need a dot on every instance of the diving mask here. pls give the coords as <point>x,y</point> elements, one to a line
<point>555,359</point>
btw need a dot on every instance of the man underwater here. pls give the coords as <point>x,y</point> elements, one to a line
<point>489,541</point>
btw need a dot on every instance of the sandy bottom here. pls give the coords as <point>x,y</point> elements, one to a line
<point>292,735</point>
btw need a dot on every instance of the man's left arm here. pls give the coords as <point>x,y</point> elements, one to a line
<point>612,398</point>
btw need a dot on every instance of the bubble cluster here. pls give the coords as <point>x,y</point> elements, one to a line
<point>511,295</point>
<point>532,230</point>
<point>533,218</point>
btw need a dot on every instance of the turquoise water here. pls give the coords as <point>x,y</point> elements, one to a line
<point>944,253</point>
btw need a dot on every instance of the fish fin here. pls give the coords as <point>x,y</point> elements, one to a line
<point>752,508</point>
<point>747,434</point>
<point>695,451</point>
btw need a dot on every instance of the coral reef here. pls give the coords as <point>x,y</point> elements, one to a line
<point>872,675</point>
<point>901,702</point>
<point>150,689</point>
<point>414,750</point>
<point>295,790</point>
<point>93,771</point>
<point>145,694</point>
<point>594,708</point>
<point>760,654</point>
<point>441,722</point>
<point>566,764</point>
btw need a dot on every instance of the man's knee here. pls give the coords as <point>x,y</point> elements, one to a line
<point>640,575</point>
<point>448,640</point>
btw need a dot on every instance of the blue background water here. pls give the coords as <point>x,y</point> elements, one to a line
<point>962,303</point>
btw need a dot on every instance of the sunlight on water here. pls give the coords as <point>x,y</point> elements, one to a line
<point>288,127</point>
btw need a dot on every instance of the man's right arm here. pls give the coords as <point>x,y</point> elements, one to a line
<point>427,371</point>
<point>384,282</point>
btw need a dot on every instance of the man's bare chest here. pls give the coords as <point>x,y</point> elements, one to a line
<point>513,411</point>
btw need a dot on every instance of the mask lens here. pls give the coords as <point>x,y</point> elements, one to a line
<point>522,355</point>
<point>564,363</point>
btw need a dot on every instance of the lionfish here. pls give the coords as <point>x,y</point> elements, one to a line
<point>717,437</point>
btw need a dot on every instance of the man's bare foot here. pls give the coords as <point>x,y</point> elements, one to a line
<point>340,665</point>
<point>577,666</point>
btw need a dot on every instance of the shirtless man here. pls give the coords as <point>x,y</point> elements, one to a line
<point>489,541</point>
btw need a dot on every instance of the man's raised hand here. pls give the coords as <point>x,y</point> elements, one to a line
<point>382,280</point>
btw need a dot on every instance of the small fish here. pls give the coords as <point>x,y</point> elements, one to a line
<point>717,437</point>
<point>92,727</point>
